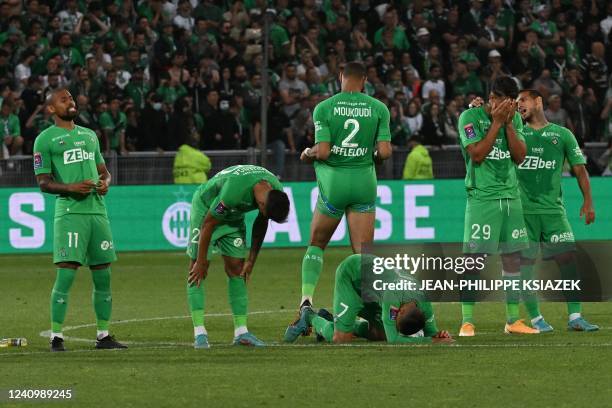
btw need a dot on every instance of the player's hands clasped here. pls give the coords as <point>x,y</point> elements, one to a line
<point>84,187</point>
<point>306,155</point>
<point>102,187</point>
<point>198,272</point>
<point>501,111</point>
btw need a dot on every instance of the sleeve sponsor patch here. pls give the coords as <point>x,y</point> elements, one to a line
<point>393,311</point>
<point>221,209</point>
<point>470,133</point>
<point>38,162</point>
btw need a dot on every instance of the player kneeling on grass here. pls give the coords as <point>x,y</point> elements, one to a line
<point>217,223</point>
<point>68,163</point>
<point>397,316</point>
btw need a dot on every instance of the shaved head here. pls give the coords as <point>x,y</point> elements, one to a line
<point>61,104</point>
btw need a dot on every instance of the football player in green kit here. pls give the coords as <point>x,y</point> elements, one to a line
<point>217,216</point>
<point>68,163</point>
<point>548,146</point>
<point>362,309</point>
<point>351,134</point>
<point>492,145</point>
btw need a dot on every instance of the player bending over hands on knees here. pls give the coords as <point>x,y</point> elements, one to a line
<point>351,134</point>
<point>395,316</point>
<point>217,223</point>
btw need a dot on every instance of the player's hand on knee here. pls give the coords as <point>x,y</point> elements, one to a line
<point>247,270</point>
<point>198,272</point>
<point>84,187</point>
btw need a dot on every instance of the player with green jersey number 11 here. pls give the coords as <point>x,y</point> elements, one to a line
<point>68,163</point>
<point>351,134</point>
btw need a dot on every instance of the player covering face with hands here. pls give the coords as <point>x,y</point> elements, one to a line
<point>217,225</point>
<point>68,163</point>
<point>493,145</point>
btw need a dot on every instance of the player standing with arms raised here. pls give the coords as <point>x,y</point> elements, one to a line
<point>351,133</point>
<point>217,222</point>
<point>548,146</point>
<point>492,144</point>
<point>68,163</point>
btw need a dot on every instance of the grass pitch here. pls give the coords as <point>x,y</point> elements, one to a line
<point>160,369</point>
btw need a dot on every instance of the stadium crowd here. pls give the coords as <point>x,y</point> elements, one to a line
<point>155,75</point>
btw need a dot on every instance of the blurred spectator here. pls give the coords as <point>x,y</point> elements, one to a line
<point>191,166</point>
<point>546,85</point>
<point>465,82</point>
<point>434,82</point>
<point>595,69</point>
<point>414,118</point>
<point>113,123</point>
<point>292,90</point>
<point>433,126</point>
<point>280,136</point>
<point>400,131</point>
<point>555,113</point>
<point>451,122</point>
<point>418,165</point>
<point>154,122</point>
<point>10,129</point>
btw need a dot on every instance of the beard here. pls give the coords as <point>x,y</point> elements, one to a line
<point>69,116</point>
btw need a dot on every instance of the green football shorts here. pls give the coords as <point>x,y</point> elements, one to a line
<point>494,226</point>
<point>83,238</point>
<point>227,239</point>
<point>345,189</point>
<point>552,231</point>
<point>348,304</point>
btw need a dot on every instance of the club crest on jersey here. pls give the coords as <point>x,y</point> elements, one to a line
<point>38,162</point>
<point>220,209</point>
<point>470,133</point>
<point>393,312</point>
<point>555,141</point>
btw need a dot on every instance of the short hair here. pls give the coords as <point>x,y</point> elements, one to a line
<point>505,86</point>
<point>354,69</point>
<point>411,322</point>
<point>533,93</point>
<point>277,206</point>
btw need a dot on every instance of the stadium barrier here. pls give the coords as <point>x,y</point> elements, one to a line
<point>147,218</point>
<point>156,168</point>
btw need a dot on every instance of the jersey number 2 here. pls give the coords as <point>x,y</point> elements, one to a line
<point>346,141</point>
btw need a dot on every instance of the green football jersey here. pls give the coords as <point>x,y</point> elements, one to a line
<point>115,125</point>
<point>9,126</point>
<point>390,301</point>
<point>229,194</point>
<point>540,173</point>
<point>70,156</point>
<point>495,177</point>
<point>352,123</point>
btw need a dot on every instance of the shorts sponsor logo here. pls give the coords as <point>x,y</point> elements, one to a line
<point>62,252</point>
<point>105,245</point>
<point>238,242</point>
<point>470,133</point>
<point>77,155</point>
<point>563,237</point>
<point>537,163</point>
<point>519,233</point>
<point>175,224</point>
<point>38,161</point>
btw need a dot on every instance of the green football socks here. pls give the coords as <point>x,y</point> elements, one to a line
<point>323,327</point>
<point>102,299</point>
<point>195,298</point>
<point>312,264</point>
<point>239,301</point>
<point>59,299</point>
<point>530,298</point>
<point>512,296</point>
<point>467,312</point>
